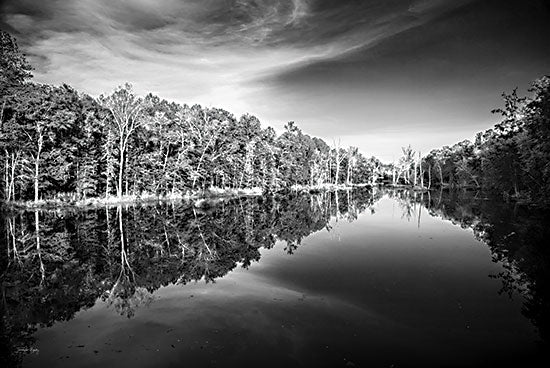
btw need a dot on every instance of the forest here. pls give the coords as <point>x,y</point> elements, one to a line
<point>59,144</point>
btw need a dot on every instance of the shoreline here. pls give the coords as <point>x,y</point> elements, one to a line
<point>202,198</point>
<point>196,197</point>
<point>207,198</point>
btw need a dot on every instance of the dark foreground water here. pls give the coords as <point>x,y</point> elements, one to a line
<point>348,279</point>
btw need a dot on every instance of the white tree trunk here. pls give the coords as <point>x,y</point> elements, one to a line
<point>121,167</point>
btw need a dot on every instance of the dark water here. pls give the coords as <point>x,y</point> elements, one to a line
<point>348,279</point>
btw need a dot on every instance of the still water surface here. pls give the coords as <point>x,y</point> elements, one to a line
<point>348,279</point>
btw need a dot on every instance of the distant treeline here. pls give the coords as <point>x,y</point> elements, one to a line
<point>56,142</point>
<point>512,158</point>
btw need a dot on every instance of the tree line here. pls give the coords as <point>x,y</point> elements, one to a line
<point>59,143</point>
<point>56,142</point>
<point>512,158</point>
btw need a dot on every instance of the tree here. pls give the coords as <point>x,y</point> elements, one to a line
<point>535,143</point>
<point>339,156</point>
<point>41,118</point>
<point>14,72</point>
<point>126,116</point>
<point>405,163</point>
<point>352,154</point>
<point>501,160</point>
<point>14,67</point>
<point>296,151</point>
<point>89,142</point>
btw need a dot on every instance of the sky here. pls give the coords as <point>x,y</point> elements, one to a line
<point>376,74</point>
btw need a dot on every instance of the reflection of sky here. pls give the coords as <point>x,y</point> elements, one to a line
<point>379,74</point>
<point>380,289</point>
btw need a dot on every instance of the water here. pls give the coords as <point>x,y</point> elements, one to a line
<point>349,279</point>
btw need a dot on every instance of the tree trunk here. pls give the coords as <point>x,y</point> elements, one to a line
<point>6,179</point>
<point>429,176</point>
<point>12,179</point>
<point>78,177</point>
<point>337,167</point>
<point>329,165</point>
<point>350,168</point>
<point>337,204</point>
<point>37,166</point>
<point>36,173</point>
<point>415,174</point>
<point>126,173</point>
<point>200,160</point>
<point>348,175</point>
<point>2,114</point>
<point>120,168</point>
<point>109,164</point>
<point>420,169</point>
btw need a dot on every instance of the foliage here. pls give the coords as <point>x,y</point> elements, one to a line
<point>511,159</point>
<point>14,67</point>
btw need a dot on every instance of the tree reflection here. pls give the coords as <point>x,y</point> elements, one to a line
<point>124,295</point>
<point>516,235</point>
<point>59,262</point>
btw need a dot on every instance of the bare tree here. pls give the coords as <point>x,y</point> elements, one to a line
<point>352,159</point>
<point>127,113</point>
<point>339,159</point>
<point>405,162</point>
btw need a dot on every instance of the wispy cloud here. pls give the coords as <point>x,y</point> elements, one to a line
<point>379,74</point>
<point>209,51</point>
